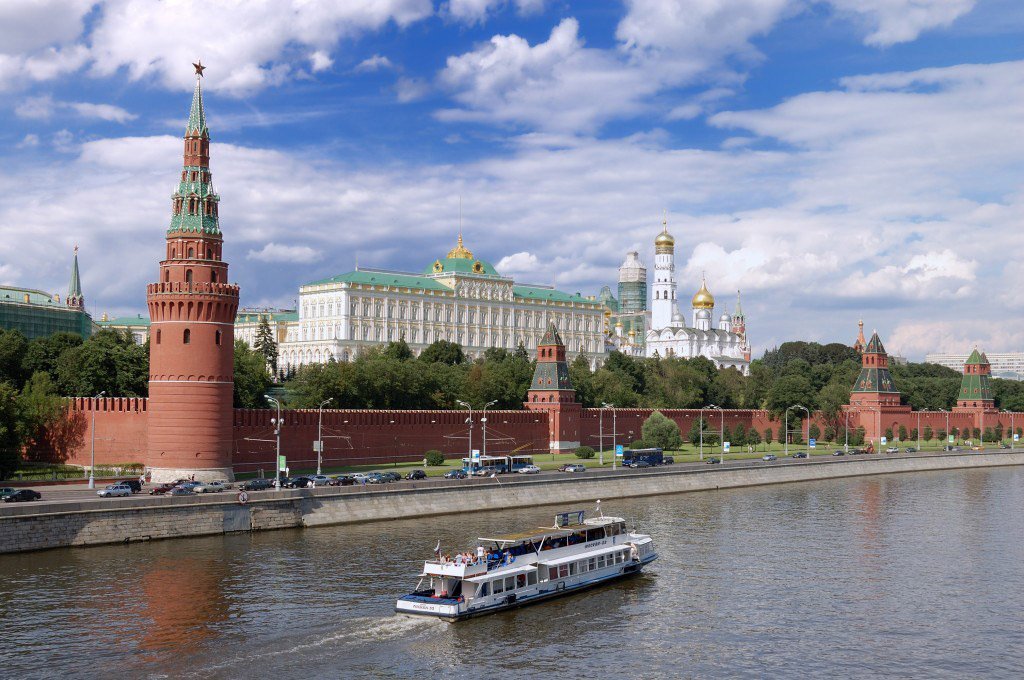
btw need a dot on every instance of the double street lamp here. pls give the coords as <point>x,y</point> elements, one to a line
<point>483,421</point>
<point>721,430</point>
<point>92,465</point>
<point>319,434</point>
<point>470,421</point>
<point>1012,430</point>
<point>276,422</point>
<point>946,443</point>
<point>605,405</point>
<point>786,442</point>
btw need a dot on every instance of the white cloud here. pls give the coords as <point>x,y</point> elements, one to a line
<point>32,25</point>
<point>29,141</point>
<point>43,107</point>
<point>929,276</point>
<point>519,263</point>
<point>320,61</point>
<point>375,63</point>
<point>410,89</point>
<point>276,252</point>
<point>897,21</point>
<point>476,11</point>
<point>102,111</point>
<point>64,141</point>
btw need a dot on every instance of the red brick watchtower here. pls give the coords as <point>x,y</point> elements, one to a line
<point>192,310</point>
<point>552,391</point>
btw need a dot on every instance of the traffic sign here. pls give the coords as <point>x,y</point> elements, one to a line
<point>243,497</point>
<point>884,441</point>
<point>1016,437</point>
<point>725,447</point>
<point>619,450</point>
<point>281,463</point>
<point>476,454</point>
<point>318,446</point>
<point>952,439</point>
<point>812,443</point>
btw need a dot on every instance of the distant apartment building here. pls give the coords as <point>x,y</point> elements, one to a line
<point>1008,365</point>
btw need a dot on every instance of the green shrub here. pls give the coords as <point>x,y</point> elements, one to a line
<point>638,444</point>
<point>584,452</point>
<point>662,432</point>
<point>433,458</point>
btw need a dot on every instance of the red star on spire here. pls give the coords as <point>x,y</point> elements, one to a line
<point>199,67</point>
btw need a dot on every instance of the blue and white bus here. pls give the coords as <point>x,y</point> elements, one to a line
<point>498,464</point>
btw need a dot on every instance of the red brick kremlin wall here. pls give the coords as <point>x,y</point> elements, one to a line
<point>377,436</point>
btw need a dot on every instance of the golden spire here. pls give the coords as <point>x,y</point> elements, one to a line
<point>664,243</point>
<point>460,251</point>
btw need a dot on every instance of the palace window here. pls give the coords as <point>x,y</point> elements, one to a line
<point>187,336</point>
<point>188,276</point>
<point>217,338</point>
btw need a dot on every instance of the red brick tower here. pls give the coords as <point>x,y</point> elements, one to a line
<point>975,387</point>
<point>874,395</point>
<point>192,310</point>
<point>552,391</point>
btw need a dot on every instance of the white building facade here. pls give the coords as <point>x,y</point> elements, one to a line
<point>669,336</point>
<point>458,298</point>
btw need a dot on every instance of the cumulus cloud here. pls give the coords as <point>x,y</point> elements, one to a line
<point>377,62</point>
<point>896,21</point>
<point>476,11</point>
<point>410,89</point>
<point>320,61</point>
<point>277,252</point>
<point>42,108</point>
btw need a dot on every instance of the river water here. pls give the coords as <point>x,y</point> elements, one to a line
<point>913,575</point>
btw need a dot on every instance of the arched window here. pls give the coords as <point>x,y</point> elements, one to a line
<point>187,338</point>
<point>188,276</point>
<point>209,253</point>
<point>167,276</point>
<point>213,276</point>
<point>191,253</point>
<point>218,338</point>
<point>158,336</point>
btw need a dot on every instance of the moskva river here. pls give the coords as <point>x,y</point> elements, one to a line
<point>913,576</point>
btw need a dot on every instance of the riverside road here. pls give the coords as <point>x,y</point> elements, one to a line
<point>79,497</point>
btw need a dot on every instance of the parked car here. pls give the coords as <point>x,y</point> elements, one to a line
<point>133,484</point>
<point>114,491</point>
<point>161,489</point>
<point>416,474</point>
<point>189,486</point>
<point>258,485</point>
<point>713,461</point>
<point>769,457</point>
<point>343,480</point>
<point>359,477</point>
<point>486,471</point>
<point>528,470</point>
<point>910,449</point>
<point>22,495</point>
<point>668,460</point>
<point>210,487</point>
<point>300,482</point>
<point>893,449</point>
<point>181,491</point>
<point>320,480</point>
<point>641,463</point>
<point>839,452</point>
<point>800,454</point>
<point>1005,446</point>
<point>572,467</point>
<point>377,478</point>
<point>456,474</point>
<point>7,491</point>
<point>392,476</point>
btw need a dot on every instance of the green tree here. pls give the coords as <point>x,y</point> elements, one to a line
<point>13,347</point>
<point>903,433</point>
<point>661,432</point>
<point>442,351</point>
<point>40,410</point>
<point>927,434</point>
<point>251,378</point>
<point>398,350</point>
<point>814,432</point>
<point>433,458</point>
<point>585,452</point>
<point>10,436</point>
<point>695,431</point>
<point>726,389</point>
<point>888,434</point>
<point>830,433</point>
<point>110,362</point>
<point>44,352</point>
<point>753,437</point>
<point>265,344</point>
<point>739,435</point>
<point>790,390</point>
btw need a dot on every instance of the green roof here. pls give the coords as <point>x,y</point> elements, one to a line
<point>35,297</point>
<point>874,345</point>
<point>460,265</point>
<point>249,315</point>
<point>372,278</point>
<point>197,114</point>
<point>976,359</point>
<point>537,293</point>
<point>137,320</point>
<point>551,337</point>
<point>75,286</point>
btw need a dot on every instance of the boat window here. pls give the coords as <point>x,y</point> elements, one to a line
<point>499,586</point>
<point>552,573</point>
<point>520,581</point>
<point>614,529</point>
<point>593,564</point>
<point>485,589</point>
<point>595,534</point>
<point>600,561</point>
<point>572,569</point>
<point>563,570</point>
<point>531,578</point>
<point>510,583</point>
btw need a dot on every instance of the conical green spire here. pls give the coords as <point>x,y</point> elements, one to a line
<point>75,297</point>
<point>196,114</point>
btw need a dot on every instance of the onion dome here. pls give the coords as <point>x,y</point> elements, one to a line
<point>460,252</point>
<point>665,243</point>
<point>703,299</point>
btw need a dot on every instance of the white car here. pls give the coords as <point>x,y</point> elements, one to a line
<point>529,470</point>
<point>893,449</point>
<point>210,487</point>
<point>115,490</point>
<point>320,480</point>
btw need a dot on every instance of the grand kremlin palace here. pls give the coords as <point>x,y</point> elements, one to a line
<point>458,298</point>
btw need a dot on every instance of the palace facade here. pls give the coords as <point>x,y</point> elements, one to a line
<point>458,298</point>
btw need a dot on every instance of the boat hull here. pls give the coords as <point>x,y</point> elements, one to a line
<point>455,612</point>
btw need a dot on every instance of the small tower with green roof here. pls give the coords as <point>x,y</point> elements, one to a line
<point>75,299</point>
<point>975,387</point>
<point>552,391</point>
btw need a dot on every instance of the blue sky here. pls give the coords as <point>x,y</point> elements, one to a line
<point>834,159</point>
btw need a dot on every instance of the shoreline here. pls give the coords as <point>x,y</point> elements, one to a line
<point>45,526</point>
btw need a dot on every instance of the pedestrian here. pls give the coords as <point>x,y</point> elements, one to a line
<point>479,553</point>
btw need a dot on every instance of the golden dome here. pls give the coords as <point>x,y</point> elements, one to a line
<point>703,299</point>
<point>664,243</point>
<point>460,251</point>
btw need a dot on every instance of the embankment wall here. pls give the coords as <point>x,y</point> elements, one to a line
<point>58,525</point>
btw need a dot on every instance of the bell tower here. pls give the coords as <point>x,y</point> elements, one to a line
<point>552,391</point>
<point>192,312</point>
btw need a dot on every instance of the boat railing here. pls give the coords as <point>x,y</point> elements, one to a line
<point>454,569</point>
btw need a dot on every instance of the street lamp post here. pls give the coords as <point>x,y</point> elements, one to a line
<point>92,464</point>
<point>786,438</point>
<point>700,431</point>
<point>319,434</point>
<point>483,421</point>
<point>945,443</point>
<point>470,421</point>
<point>721,431</point>
<point>1012,430</point>
<point>276,422</point>
<point>600,436</point>
<point>846,441</point>
<point>615,447</point>
<point>918,431</point>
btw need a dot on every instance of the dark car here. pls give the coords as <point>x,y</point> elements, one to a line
<point>713,461</point>
<point>6,491</point>
<point>456,474</point>
<point>416,474</point>
<point>181,491</point>
<point>1004,446</point>
<point>639,464</point>
<point>23,495</point>
<point>910,449</point>
<point>299,483</point>
<point>133,484</point>
<point>800,454</point>
<point>839,452</point>
<point>161,489</point>
<point>342,480</point>
<point>668,460</point>
<point>392,476</point>
<point>258,485</point>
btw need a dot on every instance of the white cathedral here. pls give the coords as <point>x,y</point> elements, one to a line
<point>669,336</point>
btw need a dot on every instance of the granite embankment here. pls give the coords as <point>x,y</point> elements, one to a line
<point>53,525</point>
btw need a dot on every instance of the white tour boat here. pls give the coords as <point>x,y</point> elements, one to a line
<point>528,567</point>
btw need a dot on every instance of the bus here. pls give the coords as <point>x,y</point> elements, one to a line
<point>498,464</point>
<point>652,456</point>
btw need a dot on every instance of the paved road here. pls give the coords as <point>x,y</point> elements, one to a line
<point>79,493</point>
